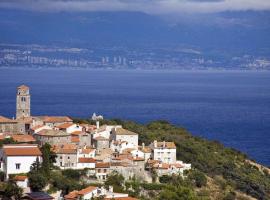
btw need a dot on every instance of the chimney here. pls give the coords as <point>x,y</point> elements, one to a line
<point>164,144</point>
<point>143,146</point>
<point>155,143</point>
<point>97,124</point>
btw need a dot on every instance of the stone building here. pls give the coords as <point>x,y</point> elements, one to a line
<point>101,143</point>
<point>8,125</point>
<point>53,137</point>
<point>66,156</point>
<point>23,102</point>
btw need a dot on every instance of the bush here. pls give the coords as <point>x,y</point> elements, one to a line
<point>37,181</point>
<point>198,178</point>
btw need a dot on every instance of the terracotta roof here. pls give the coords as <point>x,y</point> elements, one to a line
<point>65,125</point>
<point>168,145</point>
<point>87,160</point>
<point>87,190</point>
<point>87,150</point>
<point>145,149</point>
<point>65,149</point>
<point>161,166</point>
<point>19,178</point>
<point>52,133</point>
<point>117,164</point>
<point>23,87</point>
<point>75,139</point>
<point>72,195</point>
<point>100,138</point>
<point>122,131</point>
<point>6,120</point>
<point>138,159</point>
<point>2,136</point>
<point>76,133</point>
<point>56,119</point>
<point>22,151</point>
<point>167,166</point>
<point>102,165</point>
<point>23,138</point>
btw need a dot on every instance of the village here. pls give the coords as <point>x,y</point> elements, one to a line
<point>100,149</point>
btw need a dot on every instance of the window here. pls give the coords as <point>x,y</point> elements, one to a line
<point>61,164</point>
<point>18,165</point>
<point>68,157</point>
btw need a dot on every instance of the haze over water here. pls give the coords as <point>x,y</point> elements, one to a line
<point>231,107</point>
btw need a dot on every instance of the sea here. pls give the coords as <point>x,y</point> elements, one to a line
<point>232,107</point>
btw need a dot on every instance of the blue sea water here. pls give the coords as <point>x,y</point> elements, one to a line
<point>231,107</point>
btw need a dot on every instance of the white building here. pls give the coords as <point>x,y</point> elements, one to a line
<point>171,169</point>
<point>69,127</point>
<point>92,192</point>
<point>120,146</point>
<point>89,163</point>
<point>104,131</point>
<point>18,158</point>
<point>163,151</point>
<point>121,134</point>
<point>84,194</point>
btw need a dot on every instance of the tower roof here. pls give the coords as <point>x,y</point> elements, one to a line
<point>24,87</point>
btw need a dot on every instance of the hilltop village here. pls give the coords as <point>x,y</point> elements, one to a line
<point>100,150</point>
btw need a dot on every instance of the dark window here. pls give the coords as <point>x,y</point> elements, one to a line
<point>18,165</point>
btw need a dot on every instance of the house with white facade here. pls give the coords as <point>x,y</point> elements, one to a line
<point>171,169</point>
<point>94,192</point>
<point>163,151</point>
<point>18,158</point>
<point>69,127</point>
<point>120,146</point>
<point>121,134</point>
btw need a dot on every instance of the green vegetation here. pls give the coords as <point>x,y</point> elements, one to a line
<point>217,172</point>
<point>209,158</point>
<point>11,191</point>
<point>7,141</point>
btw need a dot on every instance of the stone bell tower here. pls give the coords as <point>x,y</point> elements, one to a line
<point>23,102</point>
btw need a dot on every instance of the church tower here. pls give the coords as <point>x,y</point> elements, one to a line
<point>23,102</point>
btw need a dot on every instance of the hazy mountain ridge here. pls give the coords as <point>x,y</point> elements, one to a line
<point>229,39</point>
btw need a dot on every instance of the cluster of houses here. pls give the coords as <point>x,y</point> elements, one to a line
<point>99,149</point>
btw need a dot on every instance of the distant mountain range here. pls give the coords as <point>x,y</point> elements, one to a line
<point>221,36</point>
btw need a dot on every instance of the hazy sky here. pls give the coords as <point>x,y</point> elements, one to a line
<point>147,6</point>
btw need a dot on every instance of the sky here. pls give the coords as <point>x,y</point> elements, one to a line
<point>146,6</point>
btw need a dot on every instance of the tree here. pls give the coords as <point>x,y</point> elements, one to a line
<point>12,191</point>
<point>177,193</point>
<point>116,180</point>
<point>198,178</point>
<point>48,158</point>
<point>37,181</point>
<point>7,141</point>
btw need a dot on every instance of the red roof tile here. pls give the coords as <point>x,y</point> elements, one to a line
<point>102,165</point>
<point>23,138</point>
<point>22,151</point>
<point>87,190</point>
<point>87,160</point>
<point>19,178</point>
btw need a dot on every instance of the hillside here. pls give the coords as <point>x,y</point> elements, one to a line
<point>229,173</point>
